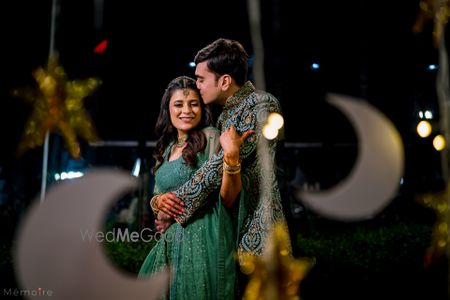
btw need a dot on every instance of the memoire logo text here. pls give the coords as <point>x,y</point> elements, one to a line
<point>27,293</point>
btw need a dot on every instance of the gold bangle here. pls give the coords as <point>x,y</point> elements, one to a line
<point>232,172</point>
<point>228,165</point>
<point>154,205</point>
<point>231,169</point>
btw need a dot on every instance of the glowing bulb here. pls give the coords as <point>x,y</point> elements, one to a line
<point>439,142</point>
<point>424,128</point>
<point>269,131</point>
<point>276,120</point>
<point>428,114</point>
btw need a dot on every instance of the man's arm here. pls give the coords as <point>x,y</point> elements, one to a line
<point>169,203</point>
<point>208,178</point>
<point>194,193</point>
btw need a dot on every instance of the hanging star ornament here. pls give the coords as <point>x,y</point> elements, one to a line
<point>276,275</point>
<point>438,202</point>
<point>57,107</point>
<point>436,10</point>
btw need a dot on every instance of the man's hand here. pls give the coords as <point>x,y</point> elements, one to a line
<point>169,203</point>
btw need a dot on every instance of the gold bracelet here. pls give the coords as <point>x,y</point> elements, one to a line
<point>153,204</point>
<point>232,172</point>
<point>231,169</point>
<point>228,165</point>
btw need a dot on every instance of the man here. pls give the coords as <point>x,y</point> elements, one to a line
<point>221,71</point>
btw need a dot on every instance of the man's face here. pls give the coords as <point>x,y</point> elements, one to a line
<point>210,88</point>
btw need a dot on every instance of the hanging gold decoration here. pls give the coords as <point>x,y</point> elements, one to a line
<point>438,202</point>
<point>276,274</point>
<point>436,10</point>
<point>57,106</point>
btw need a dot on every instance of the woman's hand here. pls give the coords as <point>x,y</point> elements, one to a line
<point>170,204</point>
<point>162,222</point>
<point>231,186</point>
<point>231,143</point>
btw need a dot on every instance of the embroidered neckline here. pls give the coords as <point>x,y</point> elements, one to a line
<point>243,93</point>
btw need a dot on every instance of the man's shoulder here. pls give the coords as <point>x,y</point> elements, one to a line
<point>264,98</point>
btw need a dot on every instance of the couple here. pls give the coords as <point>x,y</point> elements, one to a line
<point>212,194</point>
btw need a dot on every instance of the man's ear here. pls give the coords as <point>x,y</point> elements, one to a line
<point>226,82</point>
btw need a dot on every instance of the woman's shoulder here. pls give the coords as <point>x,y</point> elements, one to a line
<point>213,140</point>
<point>211,131</point>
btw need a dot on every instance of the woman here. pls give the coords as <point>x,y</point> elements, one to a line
<point>200,253</point>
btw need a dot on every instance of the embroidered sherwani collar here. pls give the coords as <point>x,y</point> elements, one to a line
<point>243,93</point>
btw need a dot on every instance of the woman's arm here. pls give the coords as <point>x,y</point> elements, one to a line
<point>231,186</point>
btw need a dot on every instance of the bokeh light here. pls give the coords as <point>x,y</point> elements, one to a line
<point>424,129</point>
<point>439,142</point>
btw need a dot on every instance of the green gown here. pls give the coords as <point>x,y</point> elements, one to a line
<point>201,253</point>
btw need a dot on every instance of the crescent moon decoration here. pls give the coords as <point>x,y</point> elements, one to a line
<point>376,175</point>
<point>53,258</point>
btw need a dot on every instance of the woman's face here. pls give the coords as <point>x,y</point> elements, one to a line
<point>185,110</point>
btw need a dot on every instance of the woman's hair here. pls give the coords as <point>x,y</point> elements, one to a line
<point>167,133</point>
<point>225,56</point>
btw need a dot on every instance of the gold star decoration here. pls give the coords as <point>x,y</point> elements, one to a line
<point>276,275</point>
<point>436,10</point>
<point>57,107</point>
<point>438,202</point>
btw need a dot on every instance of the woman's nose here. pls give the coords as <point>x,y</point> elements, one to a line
<point>187,109</point>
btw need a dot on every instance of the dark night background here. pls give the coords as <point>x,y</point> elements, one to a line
<point>365,49</point>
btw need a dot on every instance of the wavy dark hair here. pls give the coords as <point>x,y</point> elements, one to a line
<point>196,141</point>
<point>225,56</point>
